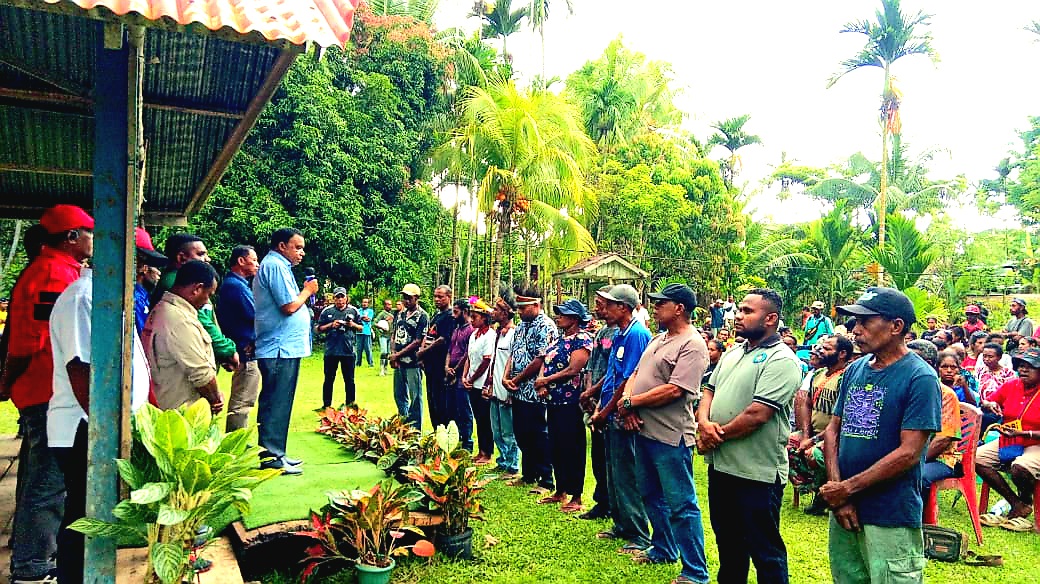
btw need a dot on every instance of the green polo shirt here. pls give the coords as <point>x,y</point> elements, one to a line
<point>768,374</point>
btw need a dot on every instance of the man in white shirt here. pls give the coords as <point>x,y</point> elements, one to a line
<point>67,410</point>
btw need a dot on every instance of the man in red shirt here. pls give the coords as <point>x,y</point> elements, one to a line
<point>973,322</point>
<point>27,380</point>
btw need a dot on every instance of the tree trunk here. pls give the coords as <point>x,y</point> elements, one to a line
<point>882,199</point>
<point>470,248</point>
<point>455,242</point>
<point>14,247</point>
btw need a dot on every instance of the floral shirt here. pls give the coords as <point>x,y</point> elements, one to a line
<point>557,359</point>
<point>989,381</point>
<point>530,341</point>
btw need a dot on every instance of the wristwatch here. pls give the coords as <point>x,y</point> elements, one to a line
<point>626,402</point>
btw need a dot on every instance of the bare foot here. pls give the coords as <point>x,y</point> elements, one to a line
<point>1020,510</point>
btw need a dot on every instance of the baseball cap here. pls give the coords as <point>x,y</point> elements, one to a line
<point>817,304</point>
<point>1020,301</point>
<point>622,293</point>
<point>886,302</point>
<point>411,290</point>
<point>678,293</point>
<point>146,249</point>
<point>1030,356</point>
<point>972,309</point>
<point>574,308</point>
<point>65,218</point>
<point>340,291</point>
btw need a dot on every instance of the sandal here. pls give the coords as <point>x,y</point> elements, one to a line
<point>631,549</point>
<point>1018,524</point>
<point>992,519</point>
<point>643,558</point>
<point>973,559</point>
<point>684,580</point>
<point>607,535</point>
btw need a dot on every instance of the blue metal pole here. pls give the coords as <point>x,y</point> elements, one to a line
<point>111,320</point>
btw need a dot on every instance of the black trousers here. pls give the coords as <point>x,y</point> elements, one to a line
<point>437,394</point>
<point>73,465</point>
<point>567,446</point>
<point>346,365</point>
<point>599,470</point>
<point>745,516</point>
<point>482,419</point>
<point>531,429</point>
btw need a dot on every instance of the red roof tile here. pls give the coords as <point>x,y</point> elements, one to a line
<point>324,22</point>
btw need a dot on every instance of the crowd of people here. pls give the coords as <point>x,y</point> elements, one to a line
<point>863,416</point>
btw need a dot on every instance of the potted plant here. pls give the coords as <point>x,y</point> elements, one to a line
<point>366,527</point>
<point>183,473</point>
<point>453,486</point>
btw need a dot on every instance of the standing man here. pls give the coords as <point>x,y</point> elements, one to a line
<point>434,351</point>
<point>972,321</point>
<point>596,370</point>
<point>743,432</point>
<point>531,341</point>
<point>888,406</point>
<point>179,351</point>
<point>364,337</point>
<point>68,407</point>
<point>729,313</point>
<point>340,322</point>
<point>410,326</point>
<point>283,337</point>
<point>718,319</point>
<point>630,522</point>
<point>1020,324</point>
<point>237,311</point>
<point>817,325</point>
<point>384,324</point>
<point>148,263</point>
<point>28,379</point>
<point>508,461</point>
<point>659,402</point>
<point>457,397</point>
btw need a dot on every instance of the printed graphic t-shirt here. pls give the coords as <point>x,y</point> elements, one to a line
<point>875,406</point>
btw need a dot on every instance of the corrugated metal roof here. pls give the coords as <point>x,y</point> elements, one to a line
<point>324,22</point>
<point>199,93</point>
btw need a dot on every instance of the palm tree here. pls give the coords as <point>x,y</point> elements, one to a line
<point>499,20</point>
<point>528,151</point>
<point>421,10</point>
<point>907,254</point>
<point>894,35</point>
<point>730,135</point>
<point>537,14</point>
<point>834,243</point>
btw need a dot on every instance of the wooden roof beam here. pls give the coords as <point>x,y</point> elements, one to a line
<point>85,103</point>
<point>7,167</point>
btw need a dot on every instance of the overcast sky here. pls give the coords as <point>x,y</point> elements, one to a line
<point>773,59</point>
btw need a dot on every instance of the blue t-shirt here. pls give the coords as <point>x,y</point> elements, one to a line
<point>875,406</point>
<point>140,307</point>
<point>717,317</point>
<point>366,325</point>
<point>626,349</point>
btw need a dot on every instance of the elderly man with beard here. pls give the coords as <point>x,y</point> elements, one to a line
<point>813,414</point>
<point>1020,324</point>
<point>743,428</point>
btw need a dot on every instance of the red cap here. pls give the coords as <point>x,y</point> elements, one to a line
<point>972,309</point>
<point>142,239</point>
<point>145,249</point>
<point>65,218</point>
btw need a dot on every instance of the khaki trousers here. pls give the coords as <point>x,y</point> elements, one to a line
<point>245,384</point>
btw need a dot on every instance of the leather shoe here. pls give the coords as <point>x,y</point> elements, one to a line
<point>291,470</point>
<point>292,461</point>
<point>595,513</point>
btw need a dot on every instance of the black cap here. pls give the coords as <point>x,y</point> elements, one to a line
<point>887,302</point>
<point>1030,356</point>
<point>678,293</point>
<point>573,308</point>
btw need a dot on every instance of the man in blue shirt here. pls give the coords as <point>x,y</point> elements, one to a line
<point>149,262</point>
<point>888,406</point>
<point>718,317</point>
<point>364,336</point>
<point>818,325</point>
<point>282,324</point>
<point>626,505</point>
<point>235,310</point>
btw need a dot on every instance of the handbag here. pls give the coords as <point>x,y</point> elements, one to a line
<point>944,544</point>
<point>1012,448</point>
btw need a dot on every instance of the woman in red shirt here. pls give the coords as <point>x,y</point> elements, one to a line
<point>1017,402</point>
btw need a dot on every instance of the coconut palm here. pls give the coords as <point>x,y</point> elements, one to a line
<point>421,10</point>
<point>499,21</point>
<point>528,151</point>
<point>892,36</point>
<point>730,135</point>
<point>834,243</point>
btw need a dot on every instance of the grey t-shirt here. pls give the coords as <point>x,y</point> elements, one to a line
<point>768,374</point>
<point>1022,326</point>
<point>679,360</point>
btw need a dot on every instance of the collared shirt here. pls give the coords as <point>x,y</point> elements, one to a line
<point>223,347</point>
<point>70,339</point>
<point>530,341</point>
<point>31,303</point>
<point>140,307</point>
<point>366,325</point>
<point>767,374</point>
<point>179,352</point>
<point>409,327</point>
<point>236,310</point>
<point>679,360</point>
<point>279,335</point>
<point>625,351</point>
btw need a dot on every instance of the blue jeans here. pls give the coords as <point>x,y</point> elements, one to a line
<point>274,407</point>
<point>933,472</point>
<point>363,348</point>
<point>502,430</point>
<point>408,394</point>
<point>670,497</point>
<point>626,504</point>
<point>40,504</point>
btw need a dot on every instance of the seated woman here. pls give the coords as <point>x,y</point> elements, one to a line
<point>991,375</point>
<point>943,459</point>
<point>1018,449</point>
